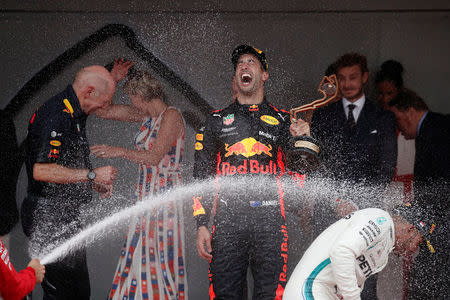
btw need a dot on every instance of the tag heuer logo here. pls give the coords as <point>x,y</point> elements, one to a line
<point>228,120</point>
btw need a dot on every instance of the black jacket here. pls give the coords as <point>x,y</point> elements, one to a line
<point>366,155</point>
<point>430,272</point>
<point>432,162</point>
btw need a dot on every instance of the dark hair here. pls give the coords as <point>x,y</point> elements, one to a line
<point>246,49</point>
<point>351,59</point>
<point>391,70</point>
<point>331,69</point>
<point>407,99</point>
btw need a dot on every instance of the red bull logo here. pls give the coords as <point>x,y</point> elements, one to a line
<point>249,166</point>
<point>248,147</point>
<point>253,107</point>
<point>284,254</point>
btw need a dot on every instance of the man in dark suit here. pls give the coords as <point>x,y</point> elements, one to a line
<point>360,146</point>
<point>430,278</point>
<point>358,143</point>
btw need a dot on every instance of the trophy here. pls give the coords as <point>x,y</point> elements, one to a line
<point>303,154</point>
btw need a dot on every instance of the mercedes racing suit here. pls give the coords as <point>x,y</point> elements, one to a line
<point>338,262</point>
<point>245,142</point>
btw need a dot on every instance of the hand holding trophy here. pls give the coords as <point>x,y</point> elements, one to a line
<point>303,152</point>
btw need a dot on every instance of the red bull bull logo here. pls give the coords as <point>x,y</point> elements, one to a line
<point>253,107</point>
<point>284,254</point>
<point>248,147</point>
<point>249,166</point>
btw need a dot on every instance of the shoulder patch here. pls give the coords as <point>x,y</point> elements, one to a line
<point>69,108</point>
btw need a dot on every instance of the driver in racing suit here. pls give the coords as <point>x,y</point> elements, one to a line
<point>339,261</point>
<point>245,140</point>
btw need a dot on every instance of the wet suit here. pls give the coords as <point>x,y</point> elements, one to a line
<point>244,141</point>
<point>50,212</point>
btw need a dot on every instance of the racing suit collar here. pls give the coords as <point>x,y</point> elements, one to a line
<point>73,99</point>
<point>246,107</point>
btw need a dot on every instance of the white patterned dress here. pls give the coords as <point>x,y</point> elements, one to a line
<point>151,265</point>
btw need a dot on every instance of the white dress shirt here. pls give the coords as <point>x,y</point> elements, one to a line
<point>358,106</point>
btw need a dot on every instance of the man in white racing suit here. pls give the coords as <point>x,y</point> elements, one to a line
<point>338,262</point>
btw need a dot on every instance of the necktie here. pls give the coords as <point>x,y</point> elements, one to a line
<point>351,119</point>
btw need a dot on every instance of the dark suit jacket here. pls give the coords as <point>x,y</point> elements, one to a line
<point>430,273</point>
<point>366,155</point>
<point>432,163</point>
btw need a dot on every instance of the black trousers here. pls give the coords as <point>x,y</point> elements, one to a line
<point>67,278</point>
<point>48,221</point>
<point>258,239</point>
<point>369,291</point>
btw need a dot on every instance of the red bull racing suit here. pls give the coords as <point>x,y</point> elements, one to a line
<point>244,141</point>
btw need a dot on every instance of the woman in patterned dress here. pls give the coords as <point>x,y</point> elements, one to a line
<point>151,265</point>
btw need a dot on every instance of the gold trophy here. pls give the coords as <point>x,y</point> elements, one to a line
<point>303,154</point>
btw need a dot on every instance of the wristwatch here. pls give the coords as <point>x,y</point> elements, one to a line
<point>91,175</point>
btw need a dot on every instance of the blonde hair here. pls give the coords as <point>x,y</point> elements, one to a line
<point>143,83</point>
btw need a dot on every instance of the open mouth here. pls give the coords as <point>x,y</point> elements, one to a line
<point>246,78</point>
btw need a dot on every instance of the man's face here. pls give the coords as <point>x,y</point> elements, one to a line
<point>351,82</point>
<point>407,239</point>
<point>405,122</point>
<point>249,74</point>
<point>386,92</point>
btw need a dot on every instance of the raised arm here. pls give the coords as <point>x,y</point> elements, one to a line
<point>120,69</point>
<point>126,113</point>
<point>121,112</point>
<point>172,127</point>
